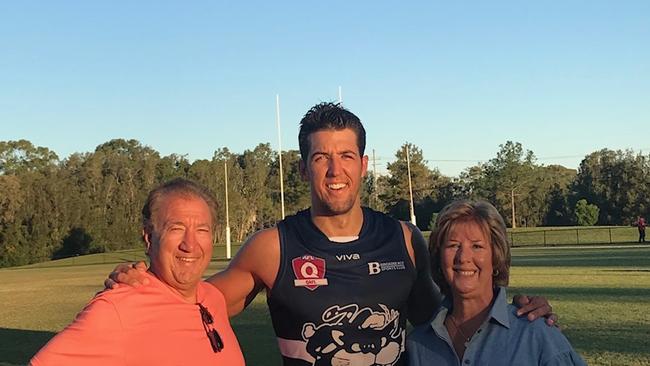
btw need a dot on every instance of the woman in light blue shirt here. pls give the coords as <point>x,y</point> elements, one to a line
<point>475,325</point>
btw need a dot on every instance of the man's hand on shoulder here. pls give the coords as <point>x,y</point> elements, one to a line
<point>127,274</point>
<point>535,307</point>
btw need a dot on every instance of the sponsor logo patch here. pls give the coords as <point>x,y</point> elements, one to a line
<point>309,271</point>
<point>376,267</point>
<point>348,257</point>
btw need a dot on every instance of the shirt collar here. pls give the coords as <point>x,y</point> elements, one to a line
<point>498,311</point>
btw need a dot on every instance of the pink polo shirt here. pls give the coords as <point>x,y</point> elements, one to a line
<point>147,325</point>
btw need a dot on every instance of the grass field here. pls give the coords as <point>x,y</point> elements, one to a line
<point>602,294</point>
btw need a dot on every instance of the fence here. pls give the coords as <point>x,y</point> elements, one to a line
<point>572,236</point>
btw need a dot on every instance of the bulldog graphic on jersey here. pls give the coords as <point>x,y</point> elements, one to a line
<point>354,336</point>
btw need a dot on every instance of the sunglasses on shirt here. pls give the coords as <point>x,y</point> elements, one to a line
<point>213,335</point>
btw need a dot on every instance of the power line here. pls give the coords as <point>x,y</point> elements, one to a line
<point>537,158</point>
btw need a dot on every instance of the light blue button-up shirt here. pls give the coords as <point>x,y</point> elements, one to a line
<point>503,339</point>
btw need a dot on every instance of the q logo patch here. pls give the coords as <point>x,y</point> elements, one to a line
<point>309,271</point>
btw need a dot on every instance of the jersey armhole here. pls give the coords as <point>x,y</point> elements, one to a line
<point>411,264</point>
<point>282,266</point>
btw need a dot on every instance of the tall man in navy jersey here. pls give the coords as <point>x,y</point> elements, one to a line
<point>341,280</point>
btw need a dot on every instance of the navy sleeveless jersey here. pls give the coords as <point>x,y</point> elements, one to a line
<point>341,303</point>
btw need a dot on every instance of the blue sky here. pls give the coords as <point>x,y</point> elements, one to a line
<point>564,78</point>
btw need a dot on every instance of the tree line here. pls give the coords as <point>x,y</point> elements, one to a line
<point>90,202</point>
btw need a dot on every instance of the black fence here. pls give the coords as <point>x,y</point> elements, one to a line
<point>555,236</point>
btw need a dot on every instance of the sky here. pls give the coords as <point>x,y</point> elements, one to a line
<point>455,78</point>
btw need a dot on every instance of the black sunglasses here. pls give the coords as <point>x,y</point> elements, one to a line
<point>213,335</point>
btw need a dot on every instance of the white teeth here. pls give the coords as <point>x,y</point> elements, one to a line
<point>336,186</point>
<point>189,260</point>
<point>467,273</point>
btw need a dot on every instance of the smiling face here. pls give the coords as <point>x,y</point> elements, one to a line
<point>466,261</point>
<point>334,170</point>
<point>180,242</point>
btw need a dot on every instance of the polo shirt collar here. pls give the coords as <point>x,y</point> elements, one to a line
<point>498,311</point>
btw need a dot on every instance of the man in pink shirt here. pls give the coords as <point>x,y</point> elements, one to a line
<point>179,319</point>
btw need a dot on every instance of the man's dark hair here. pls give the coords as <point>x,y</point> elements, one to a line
<point>329,116</point>
<point>179,186</point>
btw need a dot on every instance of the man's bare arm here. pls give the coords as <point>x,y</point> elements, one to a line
<point>254,268</point>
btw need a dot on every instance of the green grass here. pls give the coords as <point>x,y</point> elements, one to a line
<point>602,294</point>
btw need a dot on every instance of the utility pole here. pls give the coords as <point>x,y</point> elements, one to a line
<point>374,180</point>
<point>228,245</point>
<point>340,95</point>
<point>277,118</point>
<point>512,200</point>
<point>408,167</point>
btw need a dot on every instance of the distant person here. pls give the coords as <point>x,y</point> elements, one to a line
<point>641,224</point>
<point>474,325</point>
<point>178,319</point>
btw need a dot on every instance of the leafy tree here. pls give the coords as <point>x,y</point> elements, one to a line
<point>78,242</point>
<point>12,198</point>
<point>505,180</point>
<point>127,173</point>
<point>586,214</point>
<point>421,176</point>
<point>536,204</point>
<point>510,172</point>
<point>618,182</point>
<point>172,166</point>
<point>472,185</point>
<point>426,186</point>
<point>558,210</point>
<point>371,188</point>
<point>255,165</point>
<point>432,222</point>
<point>296,189</point>
<point>21,155</point>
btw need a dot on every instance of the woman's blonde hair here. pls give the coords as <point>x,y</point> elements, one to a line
<point>493,227</point>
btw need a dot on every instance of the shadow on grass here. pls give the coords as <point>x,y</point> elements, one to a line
<point>598,335</point>
<point>582,294</point>
<point>255,334</point>
<point>17,346</point>
<point>583,257</point>
<point>622,339</point>
<point>627,270</point>
<point>258,344</point>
